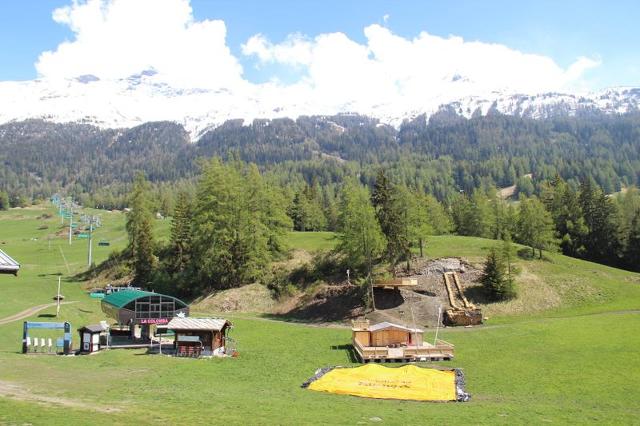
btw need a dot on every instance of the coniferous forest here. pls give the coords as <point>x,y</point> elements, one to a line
<point>568,185</point>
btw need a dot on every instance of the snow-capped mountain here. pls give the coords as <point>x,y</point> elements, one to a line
<point>140,98</point>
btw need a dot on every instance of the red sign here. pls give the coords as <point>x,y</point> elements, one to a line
<point>153,320</point>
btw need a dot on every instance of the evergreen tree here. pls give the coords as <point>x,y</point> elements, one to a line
<point>473,216</point>
<point>535,225</point>
<point>439,219</point>
<point>602,241</point>
<point>361,238</point>
<point>4,200</point>
<point>140,231</point>
<point>238,223</point>
<point>632,249</point>
<point>306,211</point>
<point>181,233</point>
<point>416,219</point>
<point>494,280</point>
<point>392,217</point>
<point>507,256</point>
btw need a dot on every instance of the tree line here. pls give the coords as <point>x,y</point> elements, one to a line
<point>437,156</point>
<point>228,229</point>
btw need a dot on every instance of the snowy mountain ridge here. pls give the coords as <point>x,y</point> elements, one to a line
<point>129,102</point>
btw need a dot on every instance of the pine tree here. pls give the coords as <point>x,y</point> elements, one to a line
<point>632,249</point>
<point>392,217</point>
<point>238,225</point>
<point>535,225</point>
<point>4,200</point>
<point>439,219</point>
<point>562,202</point>
<point>602,241</point>
<point>181,233</point>
<point>140,232</point>
<point>497,285</point>
<point>361,239</point>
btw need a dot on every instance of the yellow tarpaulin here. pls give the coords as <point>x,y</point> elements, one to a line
<point>376,381</point>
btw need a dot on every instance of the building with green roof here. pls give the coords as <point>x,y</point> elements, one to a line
<point>137,307</point>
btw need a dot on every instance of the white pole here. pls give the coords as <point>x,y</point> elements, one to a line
<point>58,298</point>
<point>70,223</point>
<point>435,340</point>
<point>90,236</point>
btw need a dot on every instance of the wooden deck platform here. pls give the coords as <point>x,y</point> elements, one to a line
<point>441,351</point>
<point>395,284</point>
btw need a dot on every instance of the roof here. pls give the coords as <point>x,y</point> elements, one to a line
<point>7,264</point>
<point>384,325</point>
<point>122,298</point>
<point>93,328</point>
<point>212,324</point>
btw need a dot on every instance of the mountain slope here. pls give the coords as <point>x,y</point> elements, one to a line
<point>140,98</point>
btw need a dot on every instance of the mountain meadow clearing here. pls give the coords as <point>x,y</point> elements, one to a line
<point>572,361</point>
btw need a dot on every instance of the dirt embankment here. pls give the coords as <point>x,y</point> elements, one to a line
<point>343,302</point>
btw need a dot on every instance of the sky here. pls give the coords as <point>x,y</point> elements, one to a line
<point>358,50</point>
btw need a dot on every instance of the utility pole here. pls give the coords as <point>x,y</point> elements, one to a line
<point>58,298</point>
<point>435,339</point>
<point>90,239</point>
<point>70,223</point>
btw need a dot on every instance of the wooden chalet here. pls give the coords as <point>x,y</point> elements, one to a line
<point>385,342</point>
<point>8,265</point>
<point>196,337</point>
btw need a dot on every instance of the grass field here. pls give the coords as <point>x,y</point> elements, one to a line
<point>576,363</point>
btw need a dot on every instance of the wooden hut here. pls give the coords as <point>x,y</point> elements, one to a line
<point>199,336</point>
<point>90,337</point>
<point>8,265</point>
<point>387,341</point>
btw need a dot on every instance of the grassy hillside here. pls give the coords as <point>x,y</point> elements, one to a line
<point>574,363</point>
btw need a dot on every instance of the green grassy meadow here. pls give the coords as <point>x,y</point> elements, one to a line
<point>576,363</point>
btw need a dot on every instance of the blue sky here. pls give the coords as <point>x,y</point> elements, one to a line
<point>561,30</point>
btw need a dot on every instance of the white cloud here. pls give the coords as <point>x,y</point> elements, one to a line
<point>391,68</point>
<point>385,76</point>
<point>117,38</point>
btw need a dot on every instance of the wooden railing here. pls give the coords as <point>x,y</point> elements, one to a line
<point>441,349</point>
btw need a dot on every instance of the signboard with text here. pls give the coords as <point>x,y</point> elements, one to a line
<point>153,320</point>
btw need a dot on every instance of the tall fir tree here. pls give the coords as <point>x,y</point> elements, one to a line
<point>181,234</point>
<point>392,218</point>
<point>140,231</point>
<point>4,200</point>
<point>535,225</point>
<point>602,241</point>
<point>494,279</point>
<point>361,238</point>
<point>632,248</point>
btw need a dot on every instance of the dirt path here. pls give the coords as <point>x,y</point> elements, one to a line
<point>28,312</point>
<point>19,393</point>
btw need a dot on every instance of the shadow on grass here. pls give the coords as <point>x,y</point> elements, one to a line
<point>47,316</point>
<point>477,294</point>
<point>350,351</point>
